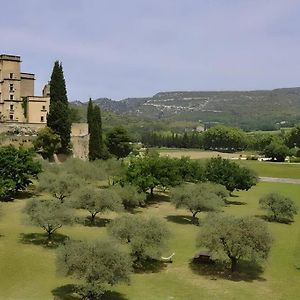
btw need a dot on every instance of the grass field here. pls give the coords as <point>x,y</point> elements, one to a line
<point>28,269</point>
<point>198,154</point>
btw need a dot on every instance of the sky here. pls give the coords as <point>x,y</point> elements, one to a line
<point>137,48</point>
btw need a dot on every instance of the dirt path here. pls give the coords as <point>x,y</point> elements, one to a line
<point>279,180</point>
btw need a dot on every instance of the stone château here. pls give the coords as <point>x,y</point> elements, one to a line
<point>17,101</point>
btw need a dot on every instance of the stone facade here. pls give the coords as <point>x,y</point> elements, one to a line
<point>17,101</point>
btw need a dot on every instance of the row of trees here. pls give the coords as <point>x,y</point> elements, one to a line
<point>222,138</point>
<point>152,171</point>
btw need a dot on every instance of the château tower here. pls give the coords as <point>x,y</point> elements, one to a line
<point>17,101</point>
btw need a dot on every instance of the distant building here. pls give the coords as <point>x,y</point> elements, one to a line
<point>17,101</point>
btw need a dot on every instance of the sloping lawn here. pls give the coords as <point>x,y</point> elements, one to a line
<point>28,269</point>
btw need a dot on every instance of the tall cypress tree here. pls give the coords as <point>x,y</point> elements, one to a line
<point>90,113</point>
<point>58,118</point>
<point>96,146</point>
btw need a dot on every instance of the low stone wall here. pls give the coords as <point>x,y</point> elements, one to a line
<point>23,128</point>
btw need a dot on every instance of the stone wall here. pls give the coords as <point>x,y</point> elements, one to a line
<point>24,133</point>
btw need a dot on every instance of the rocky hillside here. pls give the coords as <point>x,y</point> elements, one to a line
<point>241,108</point>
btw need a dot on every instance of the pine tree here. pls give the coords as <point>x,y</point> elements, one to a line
<point>59,114</point>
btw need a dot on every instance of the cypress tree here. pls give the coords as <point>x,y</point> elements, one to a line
<point>58,118</point>
<point>96,147</point>
<point>89,113</point>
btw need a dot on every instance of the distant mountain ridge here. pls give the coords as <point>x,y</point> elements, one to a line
<point>231,107</point>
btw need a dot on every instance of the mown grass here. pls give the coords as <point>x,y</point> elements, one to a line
<point>273,169</point>
<point>28,269</point>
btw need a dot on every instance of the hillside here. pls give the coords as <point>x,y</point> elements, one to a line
<point>263,109</point>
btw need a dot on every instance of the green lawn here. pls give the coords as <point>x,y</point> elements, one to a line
<point>28,270</point>
<point>273,169</point>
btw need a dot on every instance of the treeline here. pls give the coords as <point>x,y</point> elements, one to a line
<point>230,139</point>
<point>219,137</point>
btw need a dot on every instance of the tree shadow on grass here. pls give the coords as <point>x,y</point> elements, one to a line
<point>271,220</point>
<point>111,295</point>
<point>180,219</point>
<point>65,292</point>
<point>98,222</point>
<point>68,292</point>
<point>156,199</point>
<point>24,194</point>
<point>231,202</point>
<point>20,195</point>
<point>41,239</point>
<point>247,271</point>
<point>149,266</point>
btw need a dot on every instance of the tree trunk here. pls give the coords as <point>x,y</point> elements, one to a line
<point>93,216</point>
<point>194,218</point>
<point>233,264</point>
<point>151,192</point>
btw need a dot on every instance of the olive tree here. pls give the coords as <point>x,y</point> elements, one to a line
<point>146,237</point>
<point>50,215</point>
<point>96,201</point>
<point>98,264</point>
<point>130,196</point>
<point>59,184</point>
<point>234,238</point>
<point>200,197</point>
<point>278,207</point>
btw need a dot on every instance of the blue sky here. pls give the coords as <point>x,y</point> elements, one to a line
<point>134,48</point>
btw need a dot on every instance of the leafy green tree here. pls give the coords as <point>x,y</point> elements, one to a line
<point>58,118</point>
<point>99,264</point>
<point>279,207</point>
<point>191,170</point>
<point>277,151</point>
<point>60,185</point>
<point>230,174</point>
<point>97,201</point>
<point>224,138</point>
<point>246,238</point>
<point>151,171</point>
<point>200,197</point>
<point>17,170</point>
<point>293,137</point>
<point>50,215</point>
<point>47,143</point>
<point>118,142</point>
<point>146,237</point>
<point>259,141</point>
<point>130,196</point>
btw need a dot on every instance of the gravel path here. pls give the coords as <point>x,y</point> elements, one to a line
<point>280,180</point>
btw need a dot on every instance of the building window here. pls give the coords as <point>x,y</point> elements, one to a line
<point>11,87</point>
<point>11,97</point>
<point>11,117</point>
<point>42,118</point>
<point>44,107</point>
<point>11,75</point>
<point>11,107</point>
